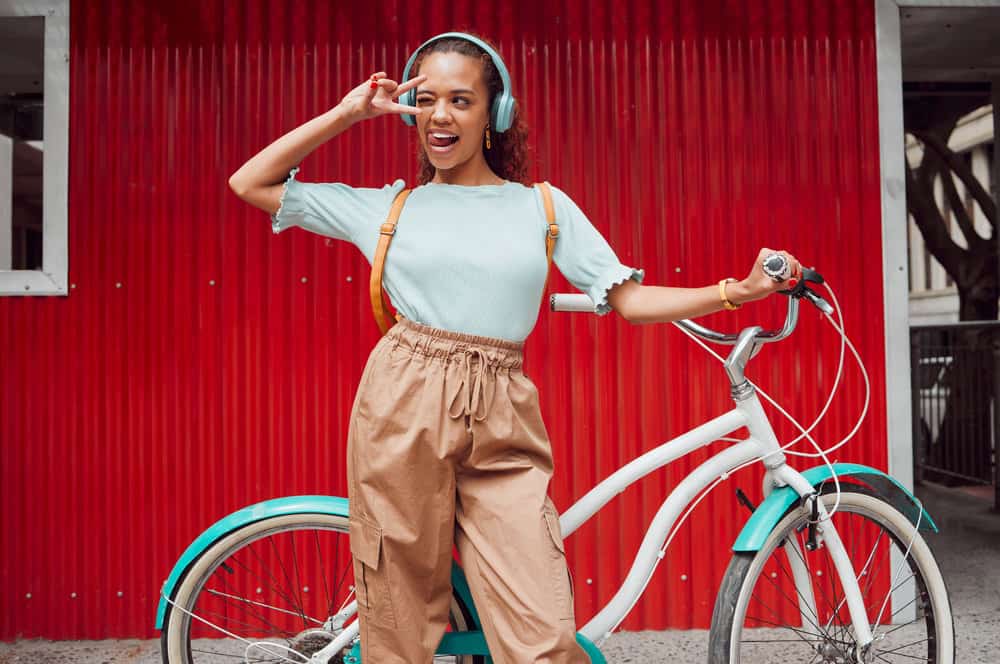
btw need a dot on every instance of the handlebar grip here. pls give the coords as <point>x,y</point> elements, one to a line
<point>572,302</point>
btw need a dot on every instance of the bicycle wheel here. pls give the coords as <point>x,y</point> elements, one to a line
<point>761,616</point>
<point>276,582</point>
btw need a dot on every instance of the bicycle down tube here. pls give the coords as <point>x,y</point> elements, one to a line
<point>761,444</point>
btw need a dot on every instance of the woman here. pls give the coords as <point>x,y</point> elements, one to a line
<point>446,442</point>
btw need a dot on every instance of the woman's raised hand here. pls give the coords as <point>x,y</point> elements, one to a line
<point>376,97</point>
<point>758,285</point>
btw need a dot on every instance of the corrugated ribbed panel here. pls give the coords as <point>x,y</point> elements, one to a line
<point>201,363</point>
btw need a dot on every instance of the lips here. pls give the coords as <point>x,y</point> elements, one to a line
<point>441,141</point>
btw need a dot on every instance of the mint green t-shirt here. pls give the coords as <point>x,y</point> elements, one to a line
<point>468,259</point>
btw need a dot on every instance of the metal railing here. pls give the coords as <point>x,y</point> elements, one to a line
<point>955,377</point>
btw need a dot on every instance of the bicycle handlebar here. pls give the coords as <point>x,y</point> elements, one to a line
<point>583,303</point>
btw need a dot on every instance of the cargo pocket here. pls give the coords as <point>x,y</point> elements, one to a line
<point>558,571</point>
<point>371,579</point>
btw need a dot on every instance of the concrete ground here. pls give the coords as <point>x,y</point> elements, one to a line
<point>968,550</point>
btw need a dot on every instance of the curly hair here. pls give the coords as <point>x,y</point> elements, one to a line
<point>508,152</point>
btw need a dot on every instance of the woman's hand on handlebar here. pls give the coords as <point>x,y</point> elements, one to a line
<point>758,285</point>
<point>376,97</point>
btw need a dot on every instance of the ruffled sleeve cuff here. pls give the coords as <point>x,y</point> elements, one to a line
<point>616,274</point>
<point>291,211</point>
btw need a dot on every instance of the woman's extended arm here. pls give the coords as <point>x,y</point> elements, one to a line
<point>260,180</point>
<point>660,304</point>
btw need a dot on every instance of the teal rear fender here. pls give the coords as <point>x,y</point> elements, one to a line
<point>331,505</point>
<point>767,515</point>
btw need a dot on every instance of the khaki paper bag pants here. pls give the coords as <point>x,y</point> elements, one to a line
<point>447,446</point>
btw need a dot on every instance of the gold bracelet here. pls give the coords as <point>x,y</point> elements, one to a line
<point>726,304</point>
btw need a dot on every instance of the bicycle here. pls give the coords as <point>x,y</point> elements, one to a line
<point>830,567</point>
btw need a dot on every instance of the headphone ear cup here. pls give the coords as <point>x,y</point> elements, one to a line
<point>496,115</point>
<point>503,112</point>
<point>409,98</point>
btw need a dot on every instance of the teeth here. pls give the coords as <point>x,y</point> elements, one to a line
<point>436,135</point>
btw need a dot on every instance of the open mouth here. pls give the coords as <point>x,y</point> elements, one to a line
<point>441,141</point>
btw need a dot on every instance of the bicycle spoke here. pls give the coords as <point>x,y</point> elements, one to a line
<point>777,616</point>
<point>866,572</point>
<point>898,611</point>
<point>241,658</point>
<point>788,575</point>
<point>205,613</point>
<point>779,641</point>
<point>274,548</point>
<point>919,659</point>
<point>299,588</point>
<point>894,651</point>
<point>839,628</point>
<point>322,569</point>
<point>273,586</point>
<point>257,614</point>
<point>268,606</point>
<point>791,577</point>
<point>798,632</point>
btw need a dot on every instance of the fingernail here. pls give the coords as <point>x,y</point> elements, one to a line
<point>374,84</point>
<point>792,282</point>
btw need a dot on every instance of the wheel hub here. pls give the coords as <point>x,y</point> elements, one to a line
<point>835,653</point>
<point>311,641</point>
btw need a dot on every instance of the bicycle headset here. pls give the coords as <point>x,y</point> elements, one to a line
<point>502,112</point>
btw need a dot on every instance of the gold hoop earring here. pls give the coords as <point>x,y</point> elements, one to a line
<point>488,145</point>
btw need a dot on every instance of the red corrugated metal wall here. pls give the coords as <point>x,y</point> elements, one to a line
<point>201,364</point>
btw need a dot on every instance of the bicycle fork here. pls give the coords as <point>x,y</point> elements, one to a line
<point>825,535</point>
<point>822,531</point>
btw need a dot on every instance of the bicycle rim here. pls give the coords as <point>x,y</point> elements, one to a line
<point>901,586</point>
<point>275,583</point>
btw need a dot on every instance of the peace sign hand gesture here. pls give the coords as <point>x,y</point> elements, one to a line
<point>375,97</point>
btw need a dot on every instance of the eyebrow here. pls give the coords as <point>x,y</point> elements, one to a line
<point>452,92</point>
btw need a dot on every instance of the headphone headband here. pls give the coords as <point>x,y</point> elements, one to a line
<point>502,112</point>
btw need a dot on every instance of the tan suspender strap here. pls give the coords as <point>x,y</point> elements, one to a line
<point>378,264</point>
<point>550,217</point>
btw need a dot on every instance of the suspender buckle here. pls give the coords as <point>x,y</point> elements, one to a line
<point>388,228</point>
<point>553,230</point>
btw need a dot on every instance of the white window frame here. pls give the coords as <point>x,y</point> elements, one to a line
<point>53,278</point>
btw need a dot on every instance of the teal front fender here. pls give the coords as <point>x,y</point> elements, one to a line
<point>767,515</point>
<point>331,505</point>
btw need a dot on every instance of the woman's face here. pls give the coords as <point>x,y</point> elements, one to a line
<point>454,109</point>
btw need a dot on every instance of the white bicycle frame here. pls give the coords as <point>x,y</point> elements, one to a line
<point>762,444</point>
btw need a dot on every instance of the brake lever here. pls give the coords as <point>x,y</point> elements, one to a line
<point>818,301</point>
<point>802,290</point>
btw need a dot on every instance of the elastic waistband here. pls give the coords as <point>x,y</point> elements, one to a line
<point>435,342</point>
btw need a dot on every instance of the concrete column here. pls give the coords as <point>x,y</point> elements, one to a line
<point>995,179</point>
<point>6,202</point>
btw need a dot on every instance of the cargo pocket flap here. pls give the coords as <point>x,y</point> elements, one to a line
<point>366,541</point>
<point>552,525</point>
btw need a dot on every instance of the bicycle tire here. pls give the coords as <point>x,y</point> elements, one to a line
<point>739,634</point>
<point>204,589</point>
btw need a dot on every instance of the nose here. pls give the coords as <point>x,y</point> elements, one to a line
<point>439,112</point>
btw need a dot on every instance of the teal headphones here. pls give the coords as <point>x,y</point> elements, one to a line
<point>502,113</point>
